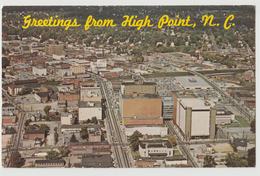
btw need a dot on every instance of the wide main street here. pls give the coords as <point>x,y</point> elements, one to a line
<point>16,140</point>
<point>120,149</point>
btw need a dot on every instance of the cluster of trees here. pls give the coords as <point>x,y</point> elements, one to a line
<point>251,157</point>
<point>51,117</point>
<point>209,161</point>
<point>93,120</point>
<point>134,140</point>
<point>47,112</point>
<point>16,159</point>
<point>54,154</point>
<point>5,61</point>
<point>233,160</point>
<point>56,135</point>
<point>227,60</point>
<point>172,139</point>
<point>44,128</point>
<point>84,133</point>
<point>137,59</point>
<point>10,130</point>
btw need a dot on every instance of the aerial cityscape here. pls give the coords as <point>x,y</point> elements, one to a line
<point>126,98</point>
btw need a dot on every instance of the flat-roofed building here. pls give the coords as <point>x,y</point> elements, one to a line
<point>159,147</point>
<point>145,106</point>
<point>80,149</point>
<point>9,120</point>
<point>67,119</point>
<point>192,82</point>
<point>77,69</point>
<point>224,116</point>
<point>8,109</point>
<point>90,93</point>
<point>97,161</point>
<point>89,110</point>
<point>65,87</point>
<point>142,121</point>
<point>39,71</point>
<point>55,49</point>
<point>196,118</point>
<point>6,140</point>
<point>153,130</point>
<point>63,72</point>
<point>176,160</point>
<point>129,88</point>
<point>141,109</point>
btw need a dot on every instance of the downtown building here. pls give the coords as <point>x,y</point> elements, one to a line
<point>55,49</point>
<point>141,109</point>
<point>196,118</point>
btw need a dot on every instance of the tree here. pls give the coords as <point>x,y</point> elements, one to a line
<point>172,139</point>
<point>64,151</point>
<point>16,159</point>
<point>66,106</point>
<point>137,59</point>
<point>84,133</point>
<point>5,62</point>
<point>44,128</point>
<point>10,130</point>
<point>47,110</point>
<point>56,135</point>
<point>233,160</point>
<point>27,122</point>
<point>73,139</point>
<point>209,161</point>
<point>251,157</point>
<point>134,140</point>
<point>94,120</point>
<point>53,155</point>
<point>252,125</point>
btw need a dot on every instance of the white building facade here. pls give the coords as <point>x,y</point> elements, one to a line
<point>196,118</point>
<point>147,130</point>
